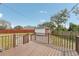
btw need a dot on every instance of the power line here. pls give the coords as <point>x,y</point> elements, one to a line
<point>21,14</point>
<point>73,8</point>
<point>14,10</point>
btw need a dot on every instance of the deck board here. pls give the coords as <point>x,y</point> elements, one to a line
<point>31,49</point>
<point>36,49</point>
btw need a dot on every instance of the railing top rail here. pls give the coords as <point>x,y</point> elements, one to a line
<point>17,31</point>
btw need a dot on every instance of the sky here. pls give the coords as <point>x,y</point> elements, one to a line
<point>33,13</point>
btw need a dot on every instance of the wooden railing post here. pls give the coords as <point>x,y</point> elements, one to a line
<point>31,37</point>
<point>77,44</point>
<point>14,40</point>
<point>35,36</point>
<point>48,38</point>
<point>25,38</point>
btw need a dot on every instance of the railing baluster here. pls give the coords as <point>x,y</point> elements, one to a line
<point>72,40</point>
<point>53,39</point>
<point>58,40</point>
<point>75,41</point>
<point>14,40</point>
<point>5,41</point>
<point>18,39</point>
<point>23,39</point>
<point>35,36</point>
<point>64,41</point>
<point>67,41</point>
<point>2,42</point>
<point>48,38</point>
<point>77,44</point>
<point>31,37</point>
<point>9,41</point>
<point>61,40</point>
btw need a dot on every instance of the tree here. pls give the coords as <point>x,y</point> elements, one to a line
<point>2,27</point>
<point>78,27</point>
<point>61,28</point>
<point>5,24</point>
<point>47,24</point>
<point>73,27</point>
<point>76,11</point>
<point>60,18</point>
<point>18,27</point>
<point>29,27</point>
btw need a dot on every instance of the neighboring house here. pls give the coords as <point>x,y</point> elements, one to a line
<point>5,24</point>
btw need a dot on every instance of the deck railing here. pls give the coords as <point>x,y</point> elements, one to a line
<point>13,38</point>
<point>66,39</point>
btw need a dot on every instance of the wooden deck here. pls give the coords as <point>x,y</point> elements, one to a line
<point>35,49</point>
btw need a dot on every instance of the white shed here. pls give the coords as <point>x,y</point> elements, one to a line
<point>42,31</point>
